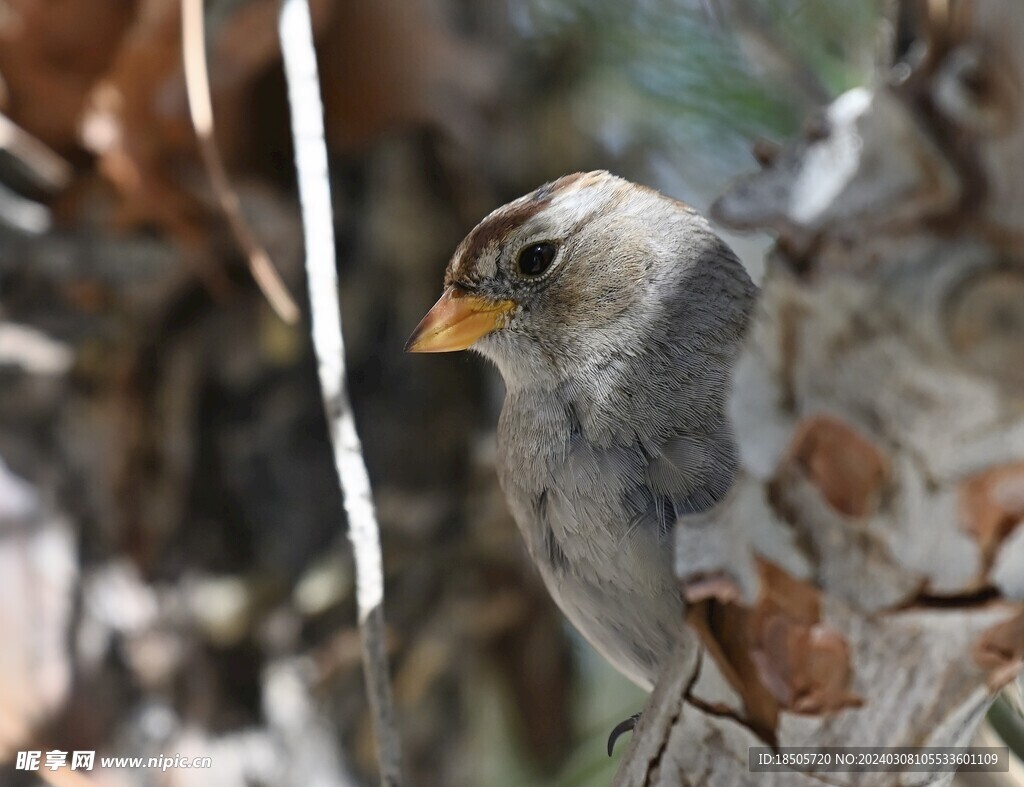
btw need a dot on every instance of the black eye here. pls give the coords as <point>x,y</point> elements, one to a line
<point>535,259</point>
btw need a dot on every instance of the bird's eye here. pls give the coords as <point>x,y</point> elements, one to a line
<point>535,259</point>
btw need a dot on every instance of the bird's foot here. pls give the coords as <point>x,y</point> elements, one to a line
<point>626,725</point>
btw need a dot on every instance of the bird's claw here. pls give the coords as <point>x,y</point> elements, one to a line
<point>626,725</point>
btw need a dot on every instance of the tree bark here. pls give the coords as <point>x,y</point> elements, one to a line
<point>863,582</point>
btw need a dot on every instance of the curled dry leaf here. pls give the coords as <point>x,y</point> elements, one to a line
<point>778,654</point>
<point>804,662</point>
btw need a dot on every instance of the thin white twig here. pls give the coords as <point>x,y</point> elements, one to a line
<point>197,88</point>
<point>315,194</point>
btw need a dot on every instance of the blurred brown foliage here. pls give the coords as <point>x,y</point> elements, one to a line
<point>182,445</point>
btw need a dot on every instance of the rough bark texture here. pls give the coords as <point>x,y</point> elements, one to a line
<point>863,583</point>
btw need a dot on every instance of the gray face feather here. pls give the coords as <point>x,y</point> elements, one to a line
<point>616,364</point>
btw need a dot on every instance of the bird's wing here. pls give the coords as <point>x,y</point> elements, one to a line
<point>688,474</point>
<point>647,487</point>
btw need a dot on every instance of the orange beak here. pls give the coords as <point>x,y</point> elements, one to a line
<point>456,321</point>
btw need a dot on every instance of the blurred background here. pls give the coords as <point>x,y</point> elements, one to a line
<point>174,574</point>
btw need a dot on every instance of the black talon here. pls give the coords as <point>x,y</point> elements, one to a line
<point>625,725</point>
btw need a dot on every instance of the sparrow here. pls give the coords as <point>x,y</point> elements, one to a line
<point>614,315</point>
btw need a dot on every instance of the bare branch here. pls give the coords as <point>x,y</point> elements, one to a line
<point>325,308</point>
<point>197,85</point>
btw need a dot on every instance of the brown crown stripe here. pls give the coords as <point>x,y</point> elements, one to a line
<point>499,224</point>
<point>494,229</point>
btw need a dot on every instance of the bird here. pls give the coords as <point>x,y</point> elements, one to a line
<point>614,315</point>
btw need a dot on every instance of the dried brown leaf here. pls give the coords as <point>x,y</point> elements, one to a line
<point>778,654</point>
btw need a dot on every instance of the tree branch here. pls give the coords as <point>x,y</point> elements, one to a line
<point>197,86</point>
<point>325,308</point>
<point>863,582</point>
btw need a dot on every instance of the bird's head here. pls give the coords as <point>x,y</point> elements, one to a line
<point>568,272</point>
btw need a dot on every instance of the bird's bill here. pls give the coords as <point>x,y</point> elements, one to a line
<point>456,321</point>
